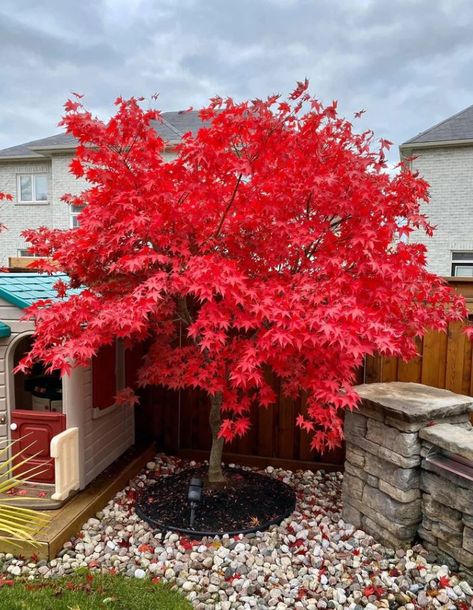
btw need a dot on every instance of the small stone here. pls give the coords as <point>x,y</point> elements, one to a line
<point>465,587</point>
<point>208,562</point>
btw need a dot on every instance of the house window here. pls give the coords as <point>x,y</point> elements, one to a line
<point>462,264</point>
<point>32,188</point>
<point>75,211</point>
<point>26,252</point>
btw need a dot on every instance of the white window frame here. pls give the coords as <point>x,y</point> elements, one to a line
<point>72,215</point>
<point>33,201</point>
<point>461,262</point>
<point>23,253</point>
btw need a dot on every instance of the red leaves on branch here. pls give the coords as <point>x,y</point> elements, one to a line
<point>273,240</point>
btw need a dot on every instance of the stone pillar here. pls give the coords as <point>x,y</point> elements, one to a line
<point>447,494</point>
<point>381,487</point>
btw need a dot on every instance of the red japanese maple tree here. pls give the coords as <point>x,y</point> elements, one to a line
<point>275,239</point>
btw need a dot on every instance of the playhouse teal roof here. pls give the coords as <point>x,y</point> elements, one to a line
<point>24,289</point>
<point>5,330</point>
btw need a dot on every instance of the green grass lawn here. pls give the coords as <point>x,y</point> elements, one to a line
<point>95,592</point>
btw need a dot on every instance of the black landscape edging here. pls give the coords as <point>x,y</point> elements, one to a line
<point>198,534</point>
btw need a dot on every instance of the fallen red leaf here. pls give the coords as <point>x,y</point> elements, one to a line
<point>444,581</point>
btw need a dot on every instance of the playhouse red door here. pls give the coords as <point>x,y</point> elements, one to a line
<point>33,431</point>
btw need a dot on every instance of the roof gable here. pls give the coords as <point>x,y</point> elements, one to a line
<point>173,126</point>
<point>24,289</point>
<point>456,128</point>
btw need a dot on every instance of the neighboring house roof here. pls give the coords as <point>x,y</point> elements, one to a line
<point>24,289</point>
<point>172,127</point>
<point>456,128</point>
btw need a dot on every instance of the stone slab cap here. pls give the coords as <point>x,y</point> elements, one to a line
<point>455,439</point>
<point>413,402</point>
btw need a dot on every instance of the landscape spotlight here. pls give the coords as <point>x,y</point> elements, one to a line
<point>194,496</point>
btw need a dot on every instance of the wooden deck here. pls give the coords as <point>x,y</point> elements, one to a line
<point>68,520</point>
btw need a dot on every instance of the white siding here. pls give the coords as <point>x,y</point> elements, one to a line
<point>449,171</point>
<point>106,437</point>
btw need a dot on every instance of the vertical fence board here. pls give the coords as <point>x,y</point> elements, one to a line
<point>434,356</point>
<point>411,370</point>
<point>286,427</point>
<point>455,357</point>
<point>373,369</point>
<point>265,416</point>
<point>466,378</point>
<point>305,452</point>
<point>389,369</point>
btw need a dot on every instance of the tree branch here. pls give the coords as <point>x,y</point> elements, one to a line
<point>184,311</point>
<point>227,209</point>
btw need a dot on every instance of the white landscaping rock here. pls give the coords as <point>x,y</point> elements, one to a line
<point>313,560</point>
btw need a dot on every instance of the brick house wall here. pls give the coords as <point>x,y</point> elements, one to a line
<point>19,216</point>
<point>54,213</point>
<point>449,171</point>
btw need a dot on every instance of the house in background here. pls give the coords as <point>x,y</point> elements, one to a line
<point>444,157</point>
<point>37,175</point>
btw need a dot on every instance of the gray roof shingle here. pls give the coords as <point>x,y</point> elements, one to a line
<point>457,127</point>
<point>172,128</point>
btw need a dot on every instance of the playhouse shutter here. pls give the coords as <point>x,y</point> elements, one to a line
<point>104,377</point>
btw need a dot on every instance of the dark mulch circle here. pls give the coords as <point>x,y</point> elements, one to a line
<point>246,502</point>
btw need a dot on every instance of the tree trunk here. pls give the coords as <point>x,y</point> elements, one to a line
<point>215,461</point>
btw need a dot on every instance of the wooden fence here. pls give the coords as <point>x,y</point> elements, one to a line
<point>179,424</point>
<point>444,361</point>
<point>179,421</point>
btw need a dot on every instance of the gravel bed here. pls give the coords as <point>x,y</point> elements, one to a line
<point>312,560</point>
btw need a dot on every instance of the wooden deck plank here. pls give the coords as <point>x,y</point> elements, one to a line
<point>68,520</point>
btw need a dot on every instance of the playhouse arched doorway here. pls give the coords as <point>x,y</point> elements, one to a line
<point>36,415</point>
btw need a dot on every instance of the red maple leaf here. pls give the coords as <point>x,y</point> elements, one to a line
<point>302,593</point>
<point>6,582</point>
<point>373,590</point>
<point>444,581</point>
<point>186,544</point>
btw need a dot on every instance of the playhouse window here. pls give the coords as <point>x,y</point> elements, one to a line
<point>35,390</point>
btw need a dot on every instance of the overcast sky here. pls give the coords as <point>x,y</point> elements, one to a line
<point>407,62</point>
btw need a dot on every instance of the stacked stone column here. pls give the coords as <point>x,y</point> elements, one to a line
<point>447,498</point>
<point>381,488</point>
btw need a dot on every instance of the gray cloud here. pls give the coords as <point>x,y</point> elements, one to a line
<point>408,62</point>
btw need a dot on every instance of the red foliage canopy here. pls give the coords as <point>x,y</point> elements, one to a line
<point>275,238</point>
